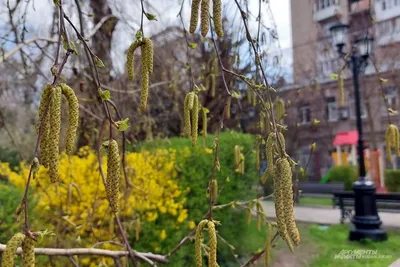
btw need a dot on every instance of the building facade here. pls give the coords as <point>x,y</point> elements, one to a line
<point>314,95</point>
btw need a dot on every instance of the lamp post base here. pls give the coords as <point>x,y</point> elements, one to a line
<point>366,221</point>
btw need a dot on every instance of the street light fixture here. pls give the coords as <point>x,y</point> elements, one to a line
<point>366,221</point>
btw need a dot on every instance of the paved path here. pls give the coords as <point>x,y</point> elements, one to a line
<point>328,215</point>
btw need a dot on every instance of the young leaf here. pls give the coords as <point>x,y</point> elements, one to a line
<point>104,94</point>
<point>73,48</point>
<point>192,45</point>
<point>123,125</point>
<point>98,62</point>
<point>333,76</point>
<point>383,80</point>
<point>151,16</point>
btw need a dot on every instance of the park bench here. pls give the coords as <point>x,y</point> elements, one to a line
<point>317,190</point>
<point>345,201</point>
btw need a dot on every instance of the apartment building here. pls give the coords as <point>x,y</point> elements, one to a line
<point>314,95</point>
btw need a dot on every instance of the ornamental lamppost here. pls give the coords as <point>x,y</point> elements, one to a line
<point>366,221</point>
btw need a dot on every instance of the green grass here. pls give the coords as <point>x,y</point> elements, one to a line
<point>333,240</point>
<point>319,247</point>
<point>313,201</point>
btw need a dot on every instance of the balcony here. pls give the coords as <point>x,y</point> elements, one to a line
<point>359,6</point>
<point>387,9</point>
<point>326,9</point>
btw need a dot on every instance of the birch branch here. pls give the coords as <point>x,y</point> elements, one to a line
<point>93,251</point>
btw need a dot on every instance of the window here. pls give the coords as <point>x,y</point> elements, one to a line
<point>332,113</point>
<point>353,114</point>
<point>391,99</point>
<point>304,114</point>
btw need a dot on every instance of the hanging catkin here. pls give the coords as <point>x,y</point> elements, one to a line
<point>188,105</point>
<point>194,114</point>
<point>44,141</point>
<point>280,209</point>
<point>145,90</point>
<point>28,252</point>
<point>44,135</point>
<point>341,89</point>
<point>270,148</point>
<point>11,250</point>
<point>198,241</point>
<point>204,116</point>
<point>280,110</point>
<point>242,160</point>
<point>46,94</point>
<point>54,137</point>
<point>113,175</point>
<point>228,108</point>
<point>267,248</point>
<point>194,16</point>
<point>147,52</point>
<point>204,23</point>
<point>237,157</point>
<point>284,169</point>
<point>130,59</point>
<point>217,17</point>
<point>392,141</point>
<point>212,235</point>
<point>212,84</point>
<point>73,108</point>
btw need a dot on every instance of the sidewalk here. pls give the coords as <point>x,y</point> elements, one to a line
<point>328,215</point>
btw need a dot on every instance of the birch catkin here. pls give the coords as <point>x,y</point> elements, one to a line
<point>130,59</point>
<point>212,261</point>
<point>204,116</point>
<point>280,207</point>
<point>113,175</point>
<point>73,108</point>
<point>54,138</point>
<point>204,23</point>
<point>147,52</point>
<point>11,250</point>
<point>28,252</point>
<point>280,110</point>
<point>198,241</point>
<point>46,95</point>
<point>44,141</point>
<point>145,90</point>
<point>194,16</point>
<point>217,17</point>
<point>267,248</point>
<point>284,170</point>
<point>186,114</point>
<point>341,90</point>
<point>270,147</point>
<point>392,141</point>
<point>195,119</point>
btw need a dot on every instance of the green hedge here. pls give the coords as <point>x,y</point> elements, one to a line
<point>392,180</point>
<point>194,166</point>
<point>346,174</point>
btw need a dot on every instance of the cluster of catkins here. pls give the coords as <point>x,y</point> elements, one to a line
<point>28,253</point>
<point>239,160</point>
<point>113,175</point>
<point>212,236</point>
<point>50,124</point>
<point>146,46</point>
<point>191,116</point>
<point>392,141</point>
<point>280,168</point>
<point>204,6</point>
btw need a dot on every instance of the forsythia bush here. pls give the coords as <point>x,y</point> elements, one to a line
<point>78,211</point>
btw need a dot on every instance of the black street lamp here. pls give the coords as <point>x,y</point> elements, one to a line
<point>366,221</point>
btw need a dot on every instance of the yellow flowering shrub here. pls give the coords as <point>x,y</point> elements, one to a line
<point>77,210</point>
